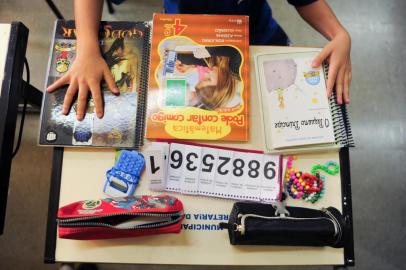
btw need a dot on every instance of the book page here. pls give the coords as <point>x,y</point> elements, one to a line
<point>294,100</point>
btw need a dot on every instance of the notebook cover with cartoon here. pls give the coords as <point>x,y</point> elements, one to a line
<point>125,47</point>
<point>199,78</point>
<point>296,111</point>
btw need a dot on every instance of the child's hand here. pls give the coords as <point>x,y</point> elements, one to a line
<point>86,74</point>
<point>337,53</point>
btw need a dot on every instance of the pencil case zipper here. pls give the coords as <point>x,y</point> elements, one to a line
<point>88,221</point>
<point>241,227</point>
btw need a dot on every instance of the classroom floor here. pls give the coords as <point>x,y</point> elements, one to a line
<point>378,110</point>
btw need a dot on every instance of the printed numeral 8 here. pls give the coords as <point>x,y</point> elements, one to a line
<point>238,169</point>
<point>253,170</point>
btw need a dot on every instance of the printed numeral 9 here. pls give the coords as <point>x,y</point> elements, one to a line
<point>269,171</point>
<point>176,159</point>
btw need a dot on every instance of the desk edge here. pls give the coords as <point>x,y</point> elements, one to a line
<point>53,204</point>
<point>349,258</point>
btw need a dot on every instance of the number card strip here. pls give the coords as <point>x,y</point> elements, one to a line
<point>156,165</point>
<point>270,187</point>
<point>238,175</point>
<point>225,173</point>
<point>175,168</point>
<point>190,177</point>
<point>253,177</point>
<point>207,170</point>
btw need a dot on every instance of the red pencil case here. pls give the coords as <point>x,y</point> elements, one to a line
<point>120,217</point>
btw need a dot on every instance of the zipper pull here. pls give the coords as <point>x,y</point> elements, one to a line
<point>281,209</point>
<point>239,228</point>
<point>233,226</point>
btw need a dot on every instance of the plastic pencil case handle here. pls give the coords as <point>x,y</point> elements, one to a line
<point>259,224</point>
<point>120,217</point>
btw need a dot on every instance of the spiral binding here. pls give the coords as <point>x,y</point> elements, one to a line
<point>143,90</point>
<point>341,121</point>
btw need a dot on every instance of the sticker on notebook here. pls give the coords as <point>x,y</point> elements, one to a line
<point>83,131</point>
<point>64,55</point>
<point>175,93</point>
<point>91,204</point>
<point>51,137</point>
<point>169,62</point>
<point>312,77</point>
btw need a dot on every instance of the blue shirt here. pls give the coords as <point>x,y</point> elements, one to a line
<point>264,30</point>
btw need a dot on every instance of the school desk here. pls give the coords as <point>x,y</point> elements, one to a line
<point>79,174</point>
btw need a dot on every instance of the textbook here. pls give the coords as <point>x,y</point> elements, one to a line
<point>125,47</point>
<point>199,78</point>
<point>296,113</point>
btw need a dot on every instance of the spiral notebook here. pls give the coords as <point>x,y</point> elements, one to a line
<point>295,109</point>
<point>197,82</point>
<point>125,47</point>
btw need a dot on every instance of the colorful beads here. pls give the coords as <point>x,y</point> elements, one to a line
<point>326,168</point>
<point>306,186</point>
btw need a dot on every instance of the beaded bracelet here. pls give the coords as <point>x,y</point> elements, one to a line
<point>326,168</point>
<point>306,186</point>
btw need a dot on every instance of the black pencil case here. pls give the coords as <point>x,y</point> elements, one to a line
<point>261,224</point>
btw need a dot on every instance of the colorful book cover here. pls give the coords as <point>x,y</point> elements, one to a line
<point>124,46</point>
<point>294,100</point>
<point>199,78</point>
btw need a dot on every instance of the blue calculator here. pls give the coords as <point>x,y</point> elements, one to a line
<point>122,179</point>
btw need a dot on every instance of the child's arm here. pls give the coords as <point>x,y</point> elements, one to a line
<point>89,67</point>
<point>337,51</point>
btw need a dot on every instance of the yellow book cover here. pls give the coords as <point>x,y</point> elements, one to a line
<point>199,78</point>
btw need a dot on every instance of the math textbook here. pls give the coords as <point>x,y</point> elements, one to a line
<point>125,48</point>
<point>199,78</point>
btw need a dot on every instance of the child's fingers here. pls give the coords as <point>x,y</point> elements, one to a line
<point>347,86</point>
<point>69,96</point>
<point>339,85</point>
<point>325,52</point>
<point>332,76</point>
<point>349,73</point>
<point>97,98</point>
<point>349,77</point>
<point>111,84</point>
<point>59,83</point>
<point>82,101</point>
